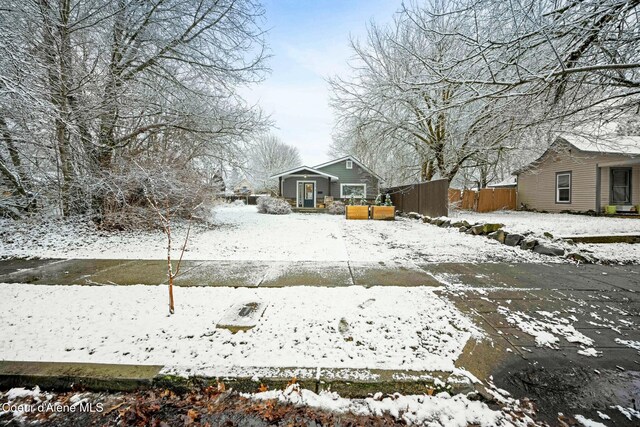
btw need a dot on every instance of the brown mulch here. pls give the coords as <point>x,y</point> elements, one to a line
<point>203,407</point>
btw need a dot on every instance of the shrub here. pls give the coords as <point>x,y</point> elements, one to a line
<point>273,206</point>
<point>336,208</point>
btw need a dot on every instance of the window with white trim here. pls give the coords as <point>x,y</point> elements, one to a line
<point>358,191</point>
<point>563,187</point>
<point>349,164</point>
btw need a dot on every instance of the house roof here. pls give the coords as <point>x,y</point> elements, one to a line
<point>305,168</point>
<point>509,182</point>
<point>354,160</point>
<point>609,144</point>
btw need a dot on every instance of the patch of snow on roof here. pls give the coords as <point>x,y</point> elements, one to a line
<point>509,182</point>
<point>605,144</point>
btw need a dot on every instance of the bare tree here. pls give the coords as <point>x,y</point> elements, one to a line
<point>267,156</point>
<point>463,82</point>
<point>101,82</point>
<point>388,97</point>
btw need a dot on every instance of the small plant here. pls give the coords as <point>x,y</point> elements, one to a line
<point>273,206</point>
<point>387,200</point>
<point>352,200</point>
<point>378,201</point>
<point>336,208</point>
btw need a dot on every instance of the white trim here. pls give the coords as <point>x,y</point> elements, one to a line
<point>354,160</point>
<point>292,172</point>
<point>309,175</point>
<point>558,175</point>
<point>315,190</point>
<point>354,183</point>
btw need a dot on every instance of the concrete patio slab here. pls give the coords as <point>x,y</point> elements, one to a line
<point>143,272</point>
<point>242,316</point>
<point>307,273</point>
<point>65,272</point>
<point>223,273</point>
<point>8,266</point>
<point>376,274</point>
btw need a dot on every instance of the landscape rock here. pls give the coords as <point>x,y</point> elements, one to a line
<point>513,239</point>
<point>462,229</point>
<point>499,235</point>
<point>343,326</point>
<point>426,219</point>
<point>550,250</point>
<point>547,235</point>
<point>486,228</point>
<point>583,258</point>
<point>459,224</point>
<point>476,229</point>
<point>414,215</point>
<point>528,244</point>
<point>490,228</point>
<point>440,222</point>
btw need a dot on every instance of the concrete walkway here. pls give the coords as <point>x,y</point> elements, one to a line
<point>603,303</point>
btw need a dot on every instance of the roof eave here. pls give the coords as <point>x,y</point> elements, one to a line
<point>352,158</point>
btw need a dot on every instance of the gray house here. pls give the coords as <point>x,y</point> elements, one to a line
<point>307,187</point>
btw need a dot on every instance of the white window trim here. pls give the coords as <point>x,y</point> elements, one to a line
<point>349,164</point>
<point>315,190</point>
<point>342,196</point>
<point>558,175</point>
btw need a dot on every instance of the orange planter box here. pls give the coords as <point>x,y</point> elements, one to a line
<point>386,213</point>
<point>357,212</point>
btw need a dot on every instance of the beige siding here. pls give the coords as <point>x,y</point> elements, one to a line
<point>537,185</point>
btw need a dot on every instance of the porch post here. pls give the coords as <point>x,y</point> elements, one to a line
<point>329,190</point>
<point>279,186</point>
<point>598,189</point>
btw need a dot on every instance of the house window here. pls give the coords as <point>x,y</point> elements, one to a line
<point>620,192</point>
<point>563,187</point>
<point>357,190</point>
<point>349,164</point>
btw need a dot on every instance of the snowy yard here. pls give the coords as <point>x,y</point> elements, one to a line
<point>557,224</point>
<point>567,225</point>
<point>350,327</point>
<point>240,233</point>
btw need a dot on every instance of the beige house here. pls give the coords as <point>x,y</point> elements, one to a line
<point>244,187</point>
<point>577,174</point>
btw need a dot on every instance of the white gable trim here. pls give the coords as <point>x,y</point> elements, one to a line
<point>354,160</point>
<point>312,170</point>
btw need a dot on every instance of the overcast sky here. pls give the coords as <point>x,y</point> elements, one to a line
<point>309,40</point>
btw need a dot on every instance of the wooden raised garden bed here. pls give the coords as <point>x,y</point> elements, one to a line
<point>357,212</point>
<point>387,213</point>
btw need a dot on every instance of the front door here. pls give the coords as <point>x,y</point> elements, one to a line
<point>309,192</point>
<point>306,194</point>
<point>620,186</point>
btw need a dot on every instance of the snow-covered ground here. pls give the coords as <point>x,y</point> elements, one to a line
<point>441,409</point>
<point>557,224</point>
<point>240,233</point>
<point>22,406</point>
<point>566,225</point>
<point>349,327</point>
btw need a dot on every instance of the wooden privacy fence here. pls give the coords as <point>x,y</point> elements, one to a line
<point>427,198</point>
<point>485,200</point>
